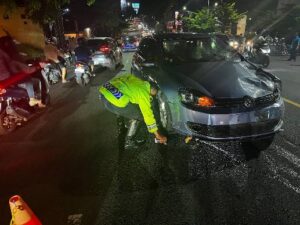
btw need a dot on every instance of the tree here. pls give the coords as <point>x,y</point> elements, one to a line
<point>214,19</point>
<point>201,21</point>
<point>40,11</point>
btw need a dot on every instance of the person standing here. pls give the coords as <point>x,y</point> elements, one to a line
<point>294,47</point>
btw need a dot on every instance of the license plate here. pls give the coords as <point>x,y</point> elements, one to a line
<point>79,70</point>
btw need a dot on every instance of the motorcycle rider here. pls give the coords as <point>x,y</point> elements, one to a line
<point>131,97</point>
<point>83,54</point>
<point>53,54</point>
<point>10,67</point>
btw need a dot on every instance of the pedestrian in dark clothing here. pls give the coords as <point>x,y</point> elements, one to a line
<point>294,47</point>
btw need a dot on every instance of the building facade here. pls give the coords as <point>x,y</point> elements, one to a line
<point>21,28</point>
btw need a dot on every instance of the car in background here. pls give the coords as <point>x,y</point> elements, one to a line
<point>208,90</point>
<point>106,52</point>
<point>130,43</point>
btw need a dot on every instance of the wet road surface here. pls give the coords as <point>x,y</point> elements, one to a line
<point>66,164</point>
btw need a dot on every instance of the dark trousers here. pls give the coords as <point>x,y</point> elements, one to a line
<point>293,54</point>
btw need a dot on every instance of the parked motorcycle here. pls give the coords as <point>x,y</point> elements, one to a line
<point>14,103</point>
<point>51,71</point>
<point>82,73</point>
<point>258,53</point>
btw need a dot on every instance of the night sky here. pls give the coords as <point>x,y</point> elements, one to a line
<point>86,15</point>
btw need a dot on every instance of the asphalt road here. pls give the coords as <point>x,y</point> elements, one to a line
<point>66,165</point>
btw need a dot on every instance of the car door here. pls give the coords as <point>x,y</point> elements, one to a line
<point>144,57</point>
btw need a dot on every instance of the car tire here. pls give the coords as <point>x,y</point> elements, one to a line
<point>165,120</point>
<point>5,130</point>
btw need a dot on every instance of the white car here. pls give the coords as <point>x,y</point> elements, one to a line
<point>106,52</point>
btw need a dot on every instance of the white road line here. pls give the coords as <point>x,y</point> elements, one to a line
<point>274,169</point>
<point>231,156</point>
<point>282,168</point>
<point>288,155</point>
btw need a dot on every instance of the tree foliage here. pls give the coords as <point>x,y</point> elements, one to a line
<point>201,21</point>
<point>40,11</point>
<point>213,19</point>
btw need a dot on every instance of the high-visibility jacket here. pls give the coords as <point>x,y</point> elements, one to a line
<point>127,88</point>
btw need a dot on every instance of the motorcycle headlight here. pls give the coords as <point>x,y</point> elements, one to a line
<point>195,99</point>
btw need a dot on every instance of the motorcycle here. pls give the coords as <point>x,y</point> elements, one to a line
<point>51,72</point>
<point>14,103</point>
<point>82,73</point>
<point>258,53</point>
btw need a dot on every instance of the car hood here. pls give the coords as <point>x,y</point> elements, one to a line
<point>220,79</point>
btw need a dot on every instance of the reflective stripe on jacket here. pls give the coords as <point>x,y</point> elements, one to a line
<point>127,88</point>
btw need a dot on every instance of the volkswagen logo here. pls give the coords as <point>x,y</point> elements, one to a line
<point>248,102</point>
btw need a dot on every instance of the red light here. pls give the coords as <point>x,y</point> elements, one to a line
<point>2,91</point>
<point>105,49</point>
<point>79,65</point>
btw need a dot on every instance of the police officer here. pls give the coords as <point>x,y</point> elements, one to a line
<point>131,97</point>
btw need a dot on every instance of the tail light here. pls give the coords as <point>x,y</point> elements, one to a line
<point>79,65</point>
<point>2,91</point>
<point>105,49</point>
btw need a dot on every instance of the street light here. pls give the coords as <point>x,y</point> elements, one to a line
<point>216,4</point>
<point>184,8</point>
<point>128,3</point>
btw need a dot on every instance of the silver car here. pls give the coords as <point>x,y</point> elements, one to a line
<point>106,52</point>
<point>208,90</point>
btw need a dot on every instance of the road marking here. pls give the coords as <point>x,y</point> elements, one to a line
<point>226,153</point>
<point>288,155</point>
<point>292,102</point>
<point>274,169</point>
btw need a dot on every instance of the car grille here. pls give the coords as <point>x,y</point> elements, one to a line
<point>238,130</point>
<point>258,102</point>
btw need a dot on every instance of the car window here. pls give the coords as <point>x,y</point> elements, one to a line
<point>96,42</point>
<point>148,49</point>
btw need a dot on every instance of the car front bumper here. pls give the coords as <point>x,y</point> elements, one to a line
<point>255,124</point>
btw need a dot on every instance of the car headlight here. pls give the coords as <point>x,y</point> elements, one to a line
<point>196,99</point>
<point>277,85</point>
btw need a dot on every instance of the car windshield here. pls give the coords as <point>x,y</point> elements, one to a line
<point>194,50</point>
<point>130,39</point>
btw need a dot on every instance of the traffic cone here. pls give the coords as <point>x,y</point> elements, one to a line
<point>21,213</point>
